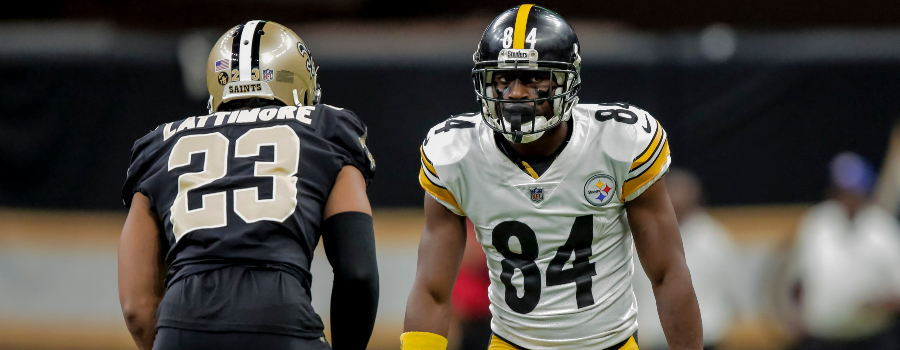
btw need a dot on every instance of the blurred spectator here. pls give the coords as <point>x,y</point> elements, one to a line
<point>887,190</point>
<point>470,296</point>
<point>710,254</point>
<point>848,261</point>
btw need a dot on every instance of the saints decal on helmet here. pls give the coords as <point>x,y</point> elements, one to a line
<point>527,41</point>
<point>262,60</point>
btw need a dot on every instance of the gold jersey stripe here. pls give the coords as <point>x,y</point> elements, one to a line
<point>500,344</point>
<point>519,31</point>
<point>631,344</point>
<point>428,163</point>
<point>437,191</point>
<point>530,170</point>
<point>651,149</point>
<point>632,185</point>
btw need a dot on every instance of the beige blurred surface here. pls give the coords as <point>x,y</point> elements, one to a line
<point>81,247</point>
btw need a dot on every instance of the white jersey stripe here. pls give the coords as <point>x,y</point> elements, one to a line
<point>434,179</point>
<point>651,161</point>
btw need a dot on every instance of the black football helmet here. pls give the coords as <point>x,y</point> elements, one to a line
<point>527,39</point>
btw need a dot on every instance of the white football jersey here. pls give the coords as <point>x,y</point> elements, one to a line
<point>558,246</point>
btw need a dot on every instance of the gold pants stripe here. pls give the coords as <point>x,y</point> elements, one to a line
<point>500,344</point>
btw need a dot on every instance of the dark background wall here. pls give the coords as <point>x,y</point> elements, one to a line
<point>755,133</point>
<point>644,14</point>
<point>757,95</point>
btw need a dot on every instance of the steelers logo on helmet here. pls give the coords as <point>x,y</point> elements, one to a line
<point>527,72</point>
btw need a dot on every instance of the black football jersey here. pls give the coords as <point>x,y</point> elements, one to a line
<point>246,187</point>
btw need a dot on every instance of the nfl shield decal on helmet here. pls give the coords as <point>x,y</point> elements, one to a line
<point>268,75</point>
<point>537,194</point>
<point>600,189</point>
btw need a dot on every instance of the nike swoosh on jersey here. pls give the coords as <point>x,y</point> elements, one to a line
<point>647,128</point>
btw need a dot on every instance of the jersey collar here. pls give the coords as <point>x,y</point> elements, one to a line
<point>564,163</point>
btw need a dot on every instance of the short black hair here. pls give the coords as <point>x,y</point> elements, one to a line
<point>254,102</point>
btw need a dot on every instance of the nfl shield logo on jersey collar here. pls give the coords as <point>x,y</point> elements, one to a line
<point>537,194</point>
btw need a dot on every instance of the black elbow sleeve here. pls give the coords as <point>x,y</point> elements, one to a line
<point>349,240</point>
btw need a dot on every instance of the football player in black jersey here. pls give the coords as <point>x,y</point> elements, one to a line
<point>226,210</point>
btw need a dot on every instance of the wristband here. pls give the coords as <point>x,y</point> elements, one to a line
<point>422,341</point>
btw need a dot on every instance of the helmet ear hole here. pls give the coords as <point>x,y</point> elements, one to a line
<point>318,96</point>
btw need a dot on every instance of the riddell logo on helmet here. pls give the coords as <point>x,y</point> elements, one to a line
<point>245,88</point>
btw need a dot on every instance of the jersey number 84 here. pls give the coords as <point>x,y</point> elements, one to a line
<point>579,242</point>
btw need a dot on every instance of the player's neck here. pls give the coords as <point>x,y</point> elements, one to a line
<point>544,146</point>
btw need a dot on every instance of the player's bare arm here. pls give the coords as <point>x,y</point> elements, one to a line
<point>141,271</point>
<point>658,243</point>
<point>349,242</point>
<point>348,194</point>
<point>440,255</point>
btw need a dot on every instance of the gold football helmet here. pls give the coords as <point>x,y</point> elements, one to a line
<point>264,60</point>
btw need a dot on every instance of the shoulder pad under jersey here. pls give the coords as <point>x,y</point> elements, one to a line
<point>631,135</point>
<point>449,141</point>
<point>346,130</point>
<point>446,144</point>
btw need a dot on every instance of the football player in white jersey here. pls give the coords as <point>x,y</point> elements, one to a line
<point>559,193</point>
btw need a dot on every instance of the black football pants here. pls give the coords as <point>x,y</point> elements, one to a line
<point>182,339</point>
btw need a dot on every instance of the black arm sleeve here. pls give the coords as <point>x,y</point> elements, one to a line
<point>349,241</point>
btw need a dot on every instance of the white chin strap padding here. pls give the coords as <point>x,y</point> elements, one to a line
<point>539,122</point>
<point>525,138</point>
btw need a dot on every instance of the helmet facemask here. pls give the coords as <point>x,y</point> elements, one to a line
<point>524,120</point>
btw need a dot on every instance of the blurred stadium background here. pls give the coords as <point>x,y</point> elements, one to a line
<point>757,96</point>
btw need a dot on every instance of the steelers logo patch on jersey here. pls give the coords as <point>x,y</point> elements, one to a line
<point>600,189</point>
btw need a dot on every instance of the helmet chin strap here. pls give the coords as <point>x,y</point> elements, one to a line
<point>515,123</point>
